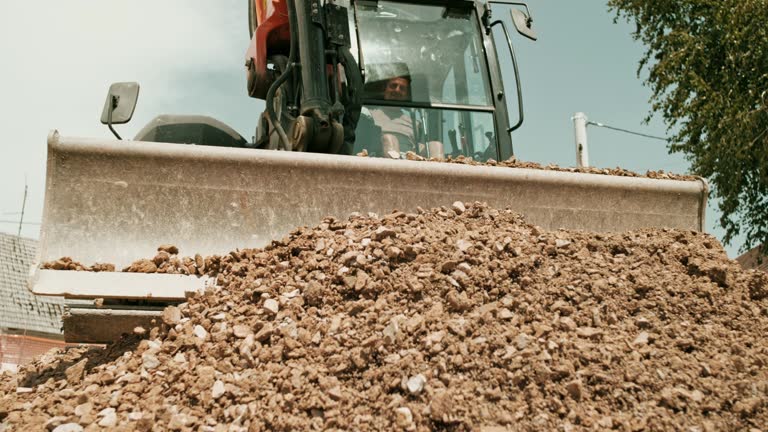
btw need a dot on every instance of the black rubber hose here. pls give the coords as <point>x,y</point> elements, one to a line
<point>354,104</point>
<point>286,143</point>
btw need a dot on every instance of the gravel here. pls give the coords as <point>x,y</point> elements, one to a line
<point>513,162</point>
<point>458,318</point>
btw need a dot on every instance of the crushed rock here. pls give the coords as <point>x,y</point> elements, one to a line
<point>642,330</point>
<point>513,162</point>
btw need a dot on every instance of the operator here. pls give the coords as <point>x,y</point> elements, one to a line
<point>396,124</point>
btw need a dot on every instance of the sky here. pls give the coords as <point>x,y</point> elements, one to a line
<point>59,59</point>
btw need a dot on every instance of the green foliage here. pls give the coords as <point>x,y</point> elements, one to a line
<point>707,66</point>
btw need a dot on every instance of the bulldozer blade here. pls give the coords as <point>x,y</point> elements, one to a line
<point>111,201</point>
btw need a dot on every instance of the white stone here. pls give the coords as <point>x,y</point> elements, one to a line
<point>106,411</point>
<point>149,361</point>
<point>241,331</point>
<point>391,332</point>
<point>416,384</point>
<point>54,421</point>
<point>463,245</point>
<point>641,339</point>
<point>218,389</point>
<point>200,332</point>
<point>403,416</point>
<point>293,294</point>
<point>68,427</point>
<point>108,417</point>
<point>154,346</point>
<point>505,314</point>
<point>271,306</point>
<point>458,207</point>
<point>83,409</point>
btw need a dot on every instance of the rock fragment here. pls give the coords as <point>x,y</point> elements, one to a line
<point>218,389</point>
<point>404,417</point>
<point>271,306</point>
<point>241,331</point>
<point>458,207</point>
<point>200,332</point>
<point>75,372</point>
<point>108,418</point>
<point>149,361</point>
<point>416,384</point>
<point>641,339</point>
<point>171,315</point>
<point>168,248</point>
<point>68,427</point>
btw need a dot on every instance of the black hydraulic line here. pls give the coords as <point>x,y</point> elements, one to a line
<point>314,81</point>
<point>285,143</point>
<point>354,105</point>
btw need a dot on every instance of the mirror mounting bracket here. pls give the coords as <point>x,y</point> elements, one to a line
<point>115,101</point>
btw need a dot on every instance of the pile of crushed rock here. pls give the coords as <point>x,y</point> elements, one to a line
<point>457,319</point>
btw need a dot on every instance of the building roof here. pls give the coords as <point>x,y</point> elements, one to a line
<point>20,310</point>
<point>753,260</point>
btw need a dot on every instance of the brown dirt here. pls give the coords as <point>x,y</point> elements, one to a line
<point>462,318</point>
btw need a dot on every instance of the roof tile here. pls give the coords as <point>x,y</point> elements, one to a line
<point>19,308</point>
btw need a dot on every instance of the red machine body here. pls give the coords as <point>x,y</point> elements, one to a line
<point>272,36</point>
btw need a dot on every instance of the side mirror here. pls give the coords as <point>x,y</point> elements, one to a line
<point>523,23</point>
<point>120,104</point>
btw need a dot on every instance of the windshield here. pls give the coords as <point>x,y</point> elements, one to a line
<point>437,49</point>
<point>386,131</point>
<point>426,85</point>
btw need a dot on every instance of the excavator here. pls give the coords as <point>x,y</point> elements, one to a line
<point>396,81</point>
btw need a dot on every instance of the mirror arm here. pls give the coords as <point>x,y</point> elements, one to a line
<point>517,76</point>
<point>514,3</point>
<point>112,106</point>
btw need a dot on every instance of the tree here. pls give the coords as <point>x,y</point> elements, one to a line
<point>707,67</point>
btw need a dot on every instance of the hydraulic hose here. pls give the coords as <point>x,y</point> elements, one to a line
<point>285,143</point>
<point>354,104</point>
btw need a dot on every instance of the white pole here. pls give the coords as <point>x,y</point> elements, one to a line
<point>580,134</point>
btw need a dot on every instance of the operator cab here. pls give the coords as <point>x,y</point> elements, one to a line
<point>438,50</point>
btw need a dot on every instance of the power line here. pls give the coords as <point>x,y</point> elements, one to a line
<point>23,206</point>
<point>15,222</point>
<point>627,131</point>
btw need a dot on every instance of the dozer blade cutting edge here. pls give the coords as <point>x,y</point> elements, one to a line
<point>112,201</point>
